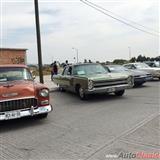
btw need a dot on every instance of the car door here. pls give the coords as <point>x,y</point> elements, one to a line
<point>67,77</point>
<point>60,78</point>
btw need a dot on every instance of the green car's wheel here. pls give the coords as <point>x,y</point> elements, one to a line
<point>119,93</point>
<point>81,93</point>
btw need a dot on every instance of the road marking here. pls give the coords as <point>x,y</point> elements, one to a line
<point>125,133</point>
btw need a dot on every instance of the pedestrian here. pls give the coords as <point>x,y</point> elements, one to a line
<point>66,64</point>
<point>54,70</point>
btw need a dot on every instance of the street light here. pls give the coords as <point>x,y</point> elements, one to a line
<point>76,52</point>
<point>129,52</point>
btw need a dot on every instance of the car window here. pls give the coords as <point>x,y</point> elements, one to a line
<point>13,74</point>
<point>89,69</point>
<point>117,68</point>
<point>67,71</point>
<point>141,65</point>
<point>128,66</point>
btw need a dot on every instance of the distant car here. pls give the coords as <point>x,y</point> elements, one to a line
<point>153,63</point>
<point>144,67</point>
<point>89,78</point>
<point>20,96</point>
<point>140,77</point>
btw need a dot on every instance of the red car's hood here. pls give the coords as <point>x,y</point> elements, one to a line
<point>16,89</point>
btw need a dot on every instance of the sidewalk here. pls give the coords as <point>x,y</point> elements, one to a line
<point>47,81</point>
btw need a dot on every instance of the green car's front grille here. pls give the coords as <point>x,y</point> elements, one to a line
<point>109,83</point>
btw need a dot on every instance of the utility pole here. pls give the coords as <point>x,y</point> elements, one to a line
<point>38,41</point>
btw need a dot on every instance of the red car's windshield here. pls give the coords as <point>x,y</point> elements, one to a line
<point>14,73</point>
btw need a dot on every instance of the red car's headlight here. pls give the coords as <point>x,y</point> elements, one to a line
<point>44,93</point>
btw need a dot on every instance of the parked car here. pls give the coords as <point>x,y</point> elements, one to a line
<point>89,78</point>
<point>144,67</point>
<point>20,96</point>
<point>153,63</point>
<point>140,77</point>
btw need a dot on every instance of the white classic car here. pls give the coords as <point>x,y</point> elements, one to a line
<point>144,67</point>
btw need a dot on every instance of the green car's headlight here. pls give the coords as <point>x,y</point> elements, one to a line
<point>90,84</point>
<point>44,93</point>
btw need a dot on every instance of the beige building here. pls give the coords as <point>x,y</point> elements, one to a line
<point>12,56</point>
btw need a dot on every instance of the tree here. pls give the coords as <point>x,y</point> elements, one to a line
<point>140,58</point>
<point>120,61</point>
<point>133,59</point>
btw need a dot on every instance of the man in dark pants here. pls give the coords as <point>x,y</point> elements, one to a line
<point>54,70</point>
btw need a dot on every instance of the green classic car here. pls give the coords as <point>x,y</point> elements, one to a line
<point>89,78</point>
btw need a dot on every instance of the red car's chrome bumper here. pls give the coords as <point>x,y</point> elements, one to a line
<point>25,112</point>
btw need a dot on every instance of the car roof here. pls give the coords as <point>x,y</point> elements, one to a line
<point>133,63</point>
<point>110,65</point>
<point>13,65</point>
<point>79,64</point>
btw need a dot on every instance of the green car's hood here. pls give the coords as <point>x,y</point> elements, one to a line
<point>108,76</point>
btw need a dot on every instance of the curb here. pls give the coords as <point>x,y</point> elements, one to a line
<point>53,89</point>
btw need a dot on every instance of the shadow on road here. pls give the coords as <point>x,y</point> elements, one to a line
<point>18,124</point>
<point>141,86</point>
<point>90,98</point>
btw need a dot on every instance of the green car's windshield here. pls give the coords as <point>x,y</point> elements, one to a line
<point>89,69</point>
<point>14,73</point>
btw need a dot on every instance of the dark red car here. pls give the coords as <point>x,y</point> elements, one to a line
<point>20,96</point>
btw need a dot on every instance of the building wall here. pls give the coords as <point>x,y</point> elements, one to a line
<point>12,56</point>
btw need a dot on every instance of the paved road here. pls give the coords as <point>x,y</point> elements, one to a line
<point>47,81</point>
<point>87,129</point>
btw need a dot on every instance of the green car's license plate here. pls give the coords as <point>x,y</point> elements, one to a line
<point>111,89</point>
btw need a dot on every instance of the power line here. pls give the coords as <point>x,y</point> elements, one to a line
<point>122,21</point>
<point>121,16</point>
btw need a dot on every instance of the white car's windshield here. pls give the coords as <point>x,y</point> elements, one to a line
<point>117,68</point>
<point>141,65</point>
<point>89,69</point>
<point>14,73</point>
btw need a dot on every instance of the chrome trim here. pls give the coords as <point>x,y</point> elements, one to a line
<point>105,89</point>
<point>105,83</point>
<point>17,104</point>
<point>29,112</point>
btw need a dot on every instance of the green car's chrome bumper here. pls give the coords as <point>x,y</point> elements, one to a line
<point>108,89</point>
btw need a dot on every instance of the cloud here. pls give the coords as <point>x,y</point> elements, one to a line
<point>67,24</point>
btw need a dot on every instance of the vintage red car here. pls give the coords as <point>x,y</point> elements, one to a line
<point>20,96</point>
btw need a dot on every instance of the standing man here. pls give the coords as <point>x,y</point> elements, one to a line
<point>66,64</point>
<point>54,70</point>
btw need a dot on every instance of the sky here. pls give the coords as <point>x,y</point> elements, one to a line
<point>68,24</point>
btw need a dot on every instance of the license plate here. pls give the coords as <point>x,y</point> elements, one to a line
<point>111,89</point>
<point>43,109</point>
<point>12,115</point>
